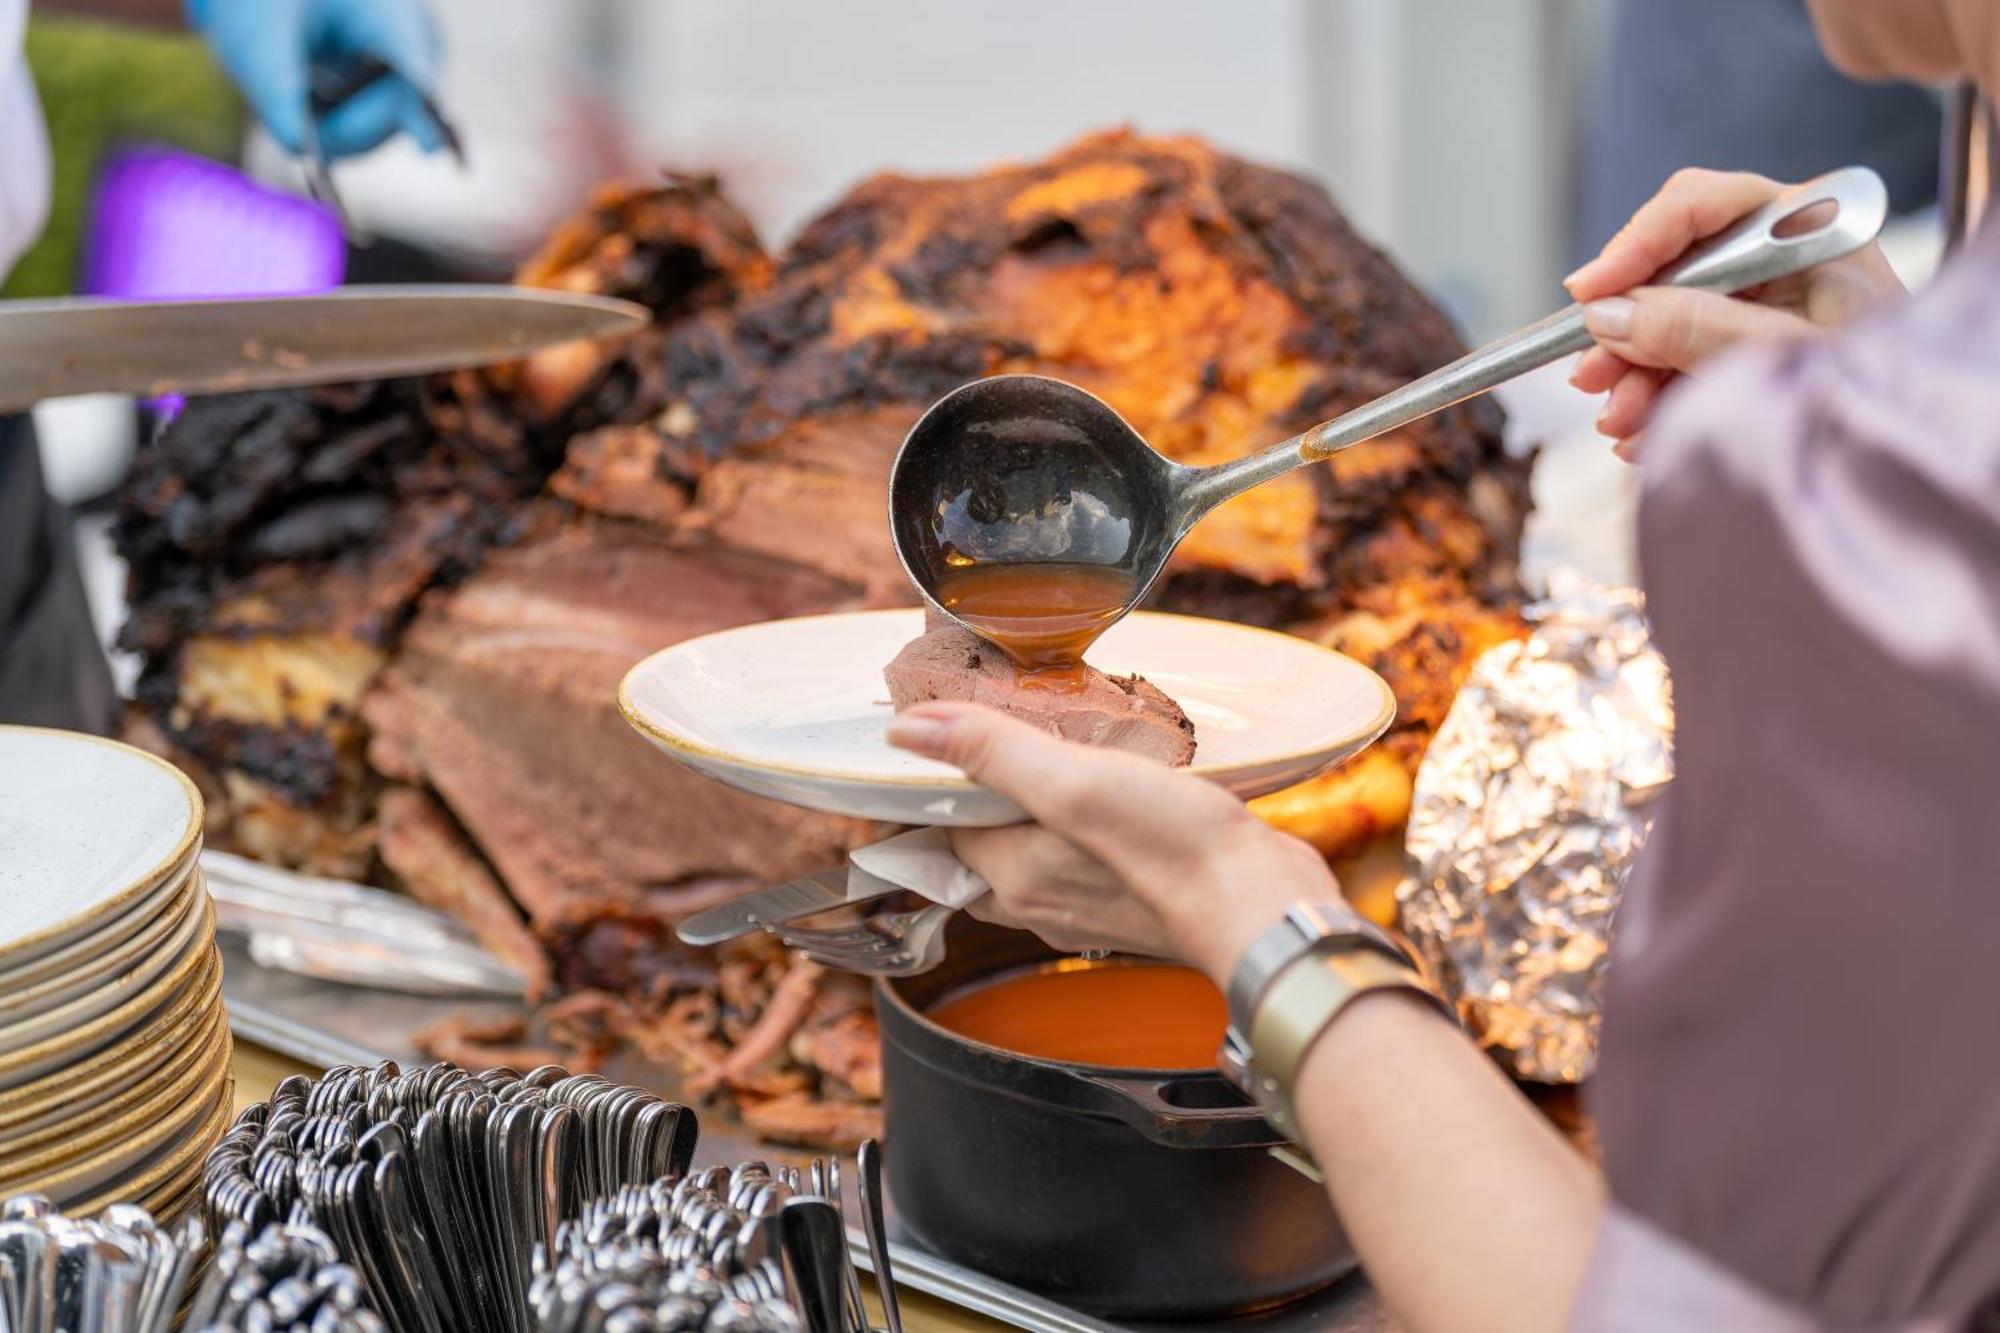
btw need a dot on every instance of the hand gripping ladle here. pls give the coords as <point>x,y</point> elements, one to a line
<point>1028,470</point>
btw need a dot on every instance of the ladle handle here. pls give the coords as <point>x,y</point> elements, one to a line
<point>1753,251</point>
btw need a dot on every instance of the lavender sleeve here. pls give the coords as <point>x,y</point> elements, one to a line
<point>1800,1074</point>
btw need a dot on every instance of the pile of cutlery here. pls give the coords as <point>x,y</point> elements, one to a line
<point>118,1273</point>
<point>694,1253</point>
<point>287,1277</point>
<point>748,1248</point>
<point>437,1185</point>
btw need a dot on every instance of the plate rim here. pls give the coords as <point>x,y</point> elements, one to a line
<point>210,1060</point>
<point>90,970</point>
<point>157,1137</point>
<point>107,1090</point>
<point>53,961</point>
<point>1384,718</point>
<point>174,1020</point>
<point>150,879</point>
<point>129,1011</point>
<point>168,1167</point>
<point>133,974</point>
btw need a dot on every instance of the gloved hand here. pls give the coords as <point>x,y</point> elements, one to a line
<point>271,48</point>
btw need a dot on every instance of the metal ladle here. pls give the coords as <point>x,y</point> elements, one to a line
<point>1023,469</point>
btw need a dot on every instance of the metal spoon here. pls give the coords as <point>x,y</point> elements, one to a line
<point>814,1250</point>
<point>1023,469</point>
<point>869,1159</point>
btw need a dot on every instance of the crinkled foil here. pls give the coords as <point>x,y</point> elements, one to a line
<point>1530,807</point>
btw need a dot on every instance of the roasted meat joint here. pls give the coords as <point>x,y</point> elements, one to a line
<point>384,624</point>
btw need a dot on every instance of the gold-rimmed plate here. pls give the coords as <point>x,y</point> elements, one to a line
<point>105,989</point>
<point>110,936</point>
<point>57,1121</point>
<point>170,1169</point>
<point>91,827</point>
<point>52,1053</point>
<point>119,1063</point>
<point>795,710</point>
<point>120,1148</point>
<point>107,1137</point>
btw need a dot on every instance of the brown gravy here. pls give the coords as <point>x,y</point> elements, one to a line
<point>1044,616</point>
<point>1124,1015</point>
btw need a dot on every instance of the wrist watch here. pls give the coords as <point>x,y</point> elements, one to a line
<point>1291,983</point>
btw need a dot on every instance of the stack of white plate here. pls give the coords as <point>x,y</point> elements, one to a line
<point>114,1049</point>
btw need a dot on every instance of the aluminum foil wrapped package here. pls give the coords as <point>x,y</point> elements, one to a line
<point>1530,807</point>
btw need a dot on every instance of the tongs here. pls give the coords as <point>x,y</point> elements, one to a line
<point>329,89</point>
<point>350,933</point>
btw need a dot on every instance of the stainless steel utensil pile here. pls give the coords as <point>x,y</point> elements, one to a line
<point>117,1273</point>
<point>749,1248</point>
<point>288,1277</point>
<point>696,1253</point>
<point>438,1185</point>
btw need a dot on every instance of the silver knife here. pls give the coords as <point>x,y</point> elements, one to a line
<point>49,349</point>
<point>781,903</point>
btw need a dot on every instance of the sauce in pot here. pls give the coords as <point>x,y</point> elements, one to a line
<point>1044,616</point>
<point>1121,1014</point>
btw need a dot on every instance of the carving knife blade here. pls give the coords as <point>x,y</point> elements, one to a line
<point>51,349</point>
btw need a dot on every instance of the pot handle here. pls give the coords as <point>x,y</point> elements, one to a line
<point>1181,1111</point>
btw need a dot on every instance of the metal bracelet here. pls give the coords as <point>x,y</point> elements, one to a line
<point>1305,928</point>
<point>1299,1006</point>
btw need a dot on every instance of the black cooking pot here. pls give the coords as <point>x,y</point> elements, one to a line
<point>1124,1192</point>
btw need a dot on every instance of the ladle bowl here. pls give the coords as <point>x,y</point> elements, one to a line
<point>1029,470</point>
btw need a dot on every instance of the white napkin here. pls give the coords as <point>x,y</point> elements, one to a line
<point>921,861</point>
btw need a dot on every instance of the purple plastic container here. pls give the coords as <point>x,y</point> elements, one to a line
<point>168,225</point>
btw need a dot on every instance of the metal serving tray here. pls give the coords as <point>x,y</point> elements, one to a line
<point>323,1023</point>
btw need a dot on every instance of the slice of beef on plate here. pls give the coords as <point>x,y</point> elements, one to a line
<point>949,663</point>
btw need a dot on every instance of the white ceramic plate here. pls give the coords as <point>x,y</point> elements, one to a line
<point>188,975</point>
<point>795,710</point>
<point>86,962</point>
<point>87,828</point>
<point>120,984</point>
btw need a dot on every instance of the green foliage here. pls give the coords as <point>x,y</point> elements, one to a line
<point>102,85</point>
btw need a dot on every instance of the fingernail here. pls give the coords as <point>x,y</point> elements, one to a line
<point>1610,317</point>
<point>925,735</point>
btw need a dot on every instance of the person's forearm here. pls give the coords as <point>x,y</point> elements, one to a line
<point>1467,1208</point>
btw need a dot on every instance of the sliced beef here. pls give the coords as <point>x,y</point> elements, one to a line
<point>1117,712</point>
<point>504,700</point>
<point>431,859</point>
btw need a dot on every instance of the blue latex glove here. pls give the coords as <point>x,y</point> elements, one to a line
<point>272,47</point>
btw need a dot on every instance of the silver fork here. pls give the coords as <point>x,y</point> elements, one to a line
<point>886,944</point>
